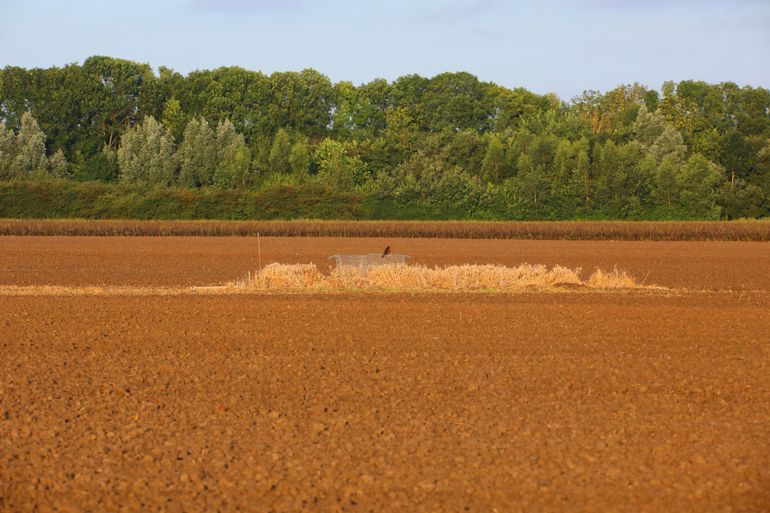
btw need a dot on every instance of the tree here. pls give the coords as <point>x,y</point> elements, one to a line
<point>666,187</point>
<point>740,200</point>
<point>668,143</point>
<point>146,154</point>
<point>407,101</point>
<point>465,149</point>
<point>197,155</point>
<point>30,149</point>
<point>611,174</point>
<point>457,101</point>
<point>510,105</point>
<point>610,113</point>
<point>698,180</point>
<point>173,118</point>
<point>493,165</point>
<point>532,189</point>
<point>337,168</point>
<point>233,157</point>
<point>428,180</point>
<point>280,153</point>
<point>571,177</point>
<point>371,102</point>
<point>101,166</point>
<point>118,91</point>
<point>7,152</point>
<point>299,160</point>
<point>627,152</point>
<point>343,122</point>
<point>301,101</point>
<point>762,177</point>
<point>57,165</point>
<point>648,126</point>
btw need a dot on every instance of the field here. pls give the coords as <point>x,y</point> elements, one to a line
<point>574,400</point>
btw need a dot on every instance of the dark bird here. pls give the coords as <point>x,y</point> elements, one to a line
<point>386,252</point>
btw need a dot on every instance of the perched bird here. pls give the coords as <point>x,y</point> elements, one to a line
<point>386,252</point>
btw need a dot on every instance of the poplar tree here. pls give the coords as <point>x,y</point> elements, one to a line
<point>197,155</point>
<point>58,166</point>
<point>29,156</point>
<point>233,157</point>
<point>648,126</point>
<point>146,154</point>
<point>668,143</point>
<point>7,152</point>
<point>280,153</point>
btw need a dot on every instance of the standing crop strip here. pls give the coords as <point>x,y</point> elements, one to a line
<point>557,230</point>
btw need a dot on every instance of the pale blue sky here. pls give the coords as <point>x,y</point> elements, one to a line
<point>561,46</point>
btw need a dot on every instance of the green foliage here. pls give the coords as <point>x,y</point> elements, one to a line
<point>118,92</point>
<point>740,200</point>
<point>668,144</point>
<point>493,167</point>
<point>70,199</point>
<point>197,154</point>
<point>7,152</point>
<point>299,158</point>
<point>103,166</point>
<point>173,118</point>
<point>698,180</point>
<point>233,157</point>
<point>456,101</point>
<point>691,150</point>
<point>425,179</point>
<point>648,126</point>
<point>337,168</point>
<point>146,154</point>
<point>29,150</point>
<point>531,189</point>
<point>301,101</point>
<point>57,165</point>
<point>465,149</point>
<point>280,153</point>
<point>666,181</point>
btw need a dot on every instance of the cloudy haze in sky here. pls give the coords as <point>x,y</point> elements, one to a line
<point>561,46</point>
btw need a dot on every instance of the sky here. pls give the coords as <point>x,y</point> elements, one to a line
<point>561,46</point>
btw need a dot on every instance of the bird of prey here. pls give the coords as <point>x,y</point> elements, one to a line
<point>386,252</point>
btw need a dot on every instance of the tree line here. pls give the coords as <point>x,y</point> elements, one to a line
<point>446,146</point>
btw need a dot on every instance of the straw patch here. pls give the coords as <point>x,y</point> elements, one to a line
<point>398,277</point>
<point>306,278</point>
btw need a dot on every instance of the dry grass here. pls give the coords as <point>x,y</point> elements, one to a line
<point>458,278</point>
<point>556,230</point>
<point>306,278</point>
<point>93,290</point>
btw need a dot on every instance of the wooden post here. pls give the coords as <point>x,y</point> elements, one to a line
<point>259,251</point>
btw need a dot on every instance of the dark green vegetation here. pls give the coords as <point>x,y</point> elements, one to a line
<point>123,141</point>
<point>93,200</point>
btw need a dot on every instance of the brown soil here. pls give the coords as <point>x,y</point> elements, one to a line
<point>451,402</point>
<point>187,261</point>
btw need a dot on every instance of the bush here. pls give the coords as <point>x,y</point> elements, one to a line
<point>91,200</point>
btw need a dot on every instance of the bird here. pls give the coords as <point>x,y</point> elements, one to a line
<point>386,252</point>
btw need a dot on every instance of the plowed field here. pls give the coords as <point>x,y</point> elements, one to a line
<point>574,401</point>
<point>185,261</point>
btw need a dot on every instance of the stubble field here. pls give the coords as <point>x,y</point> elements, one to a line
<point>567,401</point>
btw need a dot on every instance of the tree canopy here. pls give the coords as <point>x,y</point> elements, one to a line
<point>451,143</point>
